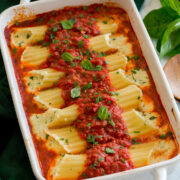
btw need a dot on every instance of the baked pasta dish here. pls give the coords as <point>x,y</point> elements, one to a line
<point>89,98</point>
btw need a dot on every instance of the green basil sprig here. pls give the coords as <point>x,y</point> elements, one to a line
<point>103,113</point>
<point>164,25</point>
<point>67,24</point>
<point>174,4</point>
<point>171,38</point>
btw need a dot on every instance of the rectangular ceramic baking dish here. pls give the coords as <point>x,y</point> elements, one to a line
<point>148,52</point>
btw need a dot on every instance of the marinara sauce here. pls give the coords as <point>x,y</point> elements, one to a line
<point>86,72</point>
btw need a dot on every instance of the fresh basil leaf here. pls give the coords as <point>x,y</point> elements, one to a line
<point>109,151</point>
<point>67,24</point>
<point>80,44</point>
<point>75,92</point>
<point>73,20</point>
<point>99,67</point>
<point>171,38</point>
<point>158,20</point>
<point>67,57</point>
<point>158,45</point>
<point>86,64</point>
<point>174,51</point>
<point>103,112</point>
<point>174,4</point>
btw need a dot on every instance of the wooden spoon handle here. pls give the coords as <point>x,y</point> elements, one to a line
<point>172,71</point>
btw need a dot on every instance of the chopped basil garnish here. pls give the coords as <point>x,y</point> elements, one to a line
<point>66,41</point>
<point>50,21</point>
<point>134,141</point>
<point>93,166</point>
<point>16,22</point>
<point>123,160</point>
<point>67,57</point>
<point>81,15</point>
<point>170,134</point>
<point>73,64</point>
<point>136,131</point>
<point>66,141</point>
<point>162,136</point>
<point>88,54</point>
<point>109,151</point>
<point>110,121</point>
<point>93,19</point>
<point>86,36</point>
<point>98,9</point>
<point>136,68</point>
<point>152,117</point>
<point>91,139</point>
<point>86,64</point>
<point>46,44</point>
<point>75,92</point>
<point>40,19</point>
<point>55,28</point>
<point>85,175</point>
<point>136,57</point>
<point>109,102</point>
<point>47,136</point>
<point>77,57</point>
<point>98,99</point>
<point>52,36</point>
<point>114,93</point>
<point>14,50</point>
<point>67,24</point>
<point>100,159</point>
<point>103,112</point>
<point>87,86</point>
<point>73,20</point>
<point>101,54</point>
<point>107,62</point>
<point>75,84</point>
<point>99,67</point>
<point>55,41</point>
<point>89,124</point>
<point>85,7</point>
<point>80,44</point>
<point>79,28</point>
<point>133,71</point>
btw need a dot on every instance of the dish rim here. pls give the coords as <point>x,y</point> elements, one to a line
<point>16,96</point>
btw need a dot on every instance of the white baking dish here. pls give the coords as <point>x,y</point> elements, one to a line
<point>150,56</point>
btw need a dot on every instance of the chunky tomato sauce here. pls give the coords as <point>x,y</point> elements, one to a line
<point>108,140</point>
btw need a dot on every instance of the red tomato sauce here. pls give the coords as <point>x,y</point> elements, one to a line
<point>108,140</point>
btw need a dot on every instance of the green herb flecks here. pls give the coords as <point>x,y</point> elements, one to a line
<point>76,92</point>
<point>109,151</point>
<point>87,65</point>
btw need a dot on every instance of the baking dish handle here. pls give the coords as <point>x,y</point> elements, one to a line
<point>160,173</point>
